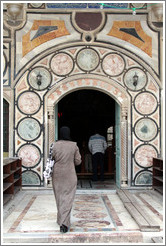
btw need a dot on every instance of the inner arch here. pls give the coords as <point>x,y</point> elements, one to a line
<point>85,109</point>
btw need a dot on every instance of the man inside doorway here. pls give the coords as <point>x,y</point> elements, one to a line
<point>97,146</point>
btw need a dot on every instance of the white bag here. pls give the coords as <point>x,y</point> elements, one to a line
<point>49,165</point>
<point>48,169</point>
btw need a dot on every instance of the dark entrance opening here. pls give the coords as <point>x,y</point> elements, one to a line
<point>5,128</point>
<point>83,111</point>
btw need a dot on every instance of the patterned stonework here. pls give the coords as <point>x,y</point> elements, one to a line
<point>87,68</point>
<point>82,83</point>
<point>132,32</point>
<point>30,178</point>
<point>146,129</point>
<point>30,155</point>
<point>129,79</point>
<point>144,178</point>
<point>145,103</point>
<point>113,64</point>
<point>6,64</point>
<point>144,155</point>
<point>29,102</point>
<point>45,78</point>
<point>41,32</point>
<point>87,59</point>
<point>28,129</point>
<point>61,64</point>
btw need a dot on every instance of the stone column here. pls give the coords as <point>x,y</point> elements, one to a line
<point>51,134</point>
<point>124,149</point>
<point>51,125</point>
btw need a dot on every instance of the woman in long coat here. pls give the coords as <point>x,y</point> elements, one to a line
<point>66,155</point>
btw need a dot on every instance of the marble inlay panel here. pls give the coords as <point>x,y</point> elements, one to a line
<point>144,178</point>
<point>30,155</point>
<point>30,178</point>
<point>61,64</point>
<point>22,85</point>
<point>39,78</point>
<point>6,63</point>
<point>132,32</point>
<point>135,79</point>
<point>29,102</point>
<point>29,43</point>
<point>145,103</point>
<point>29,129</point>
<point>85,5</point>
<point>87,59</point>
<point>98,218</point>
<point>144,155</point>
<point>113,64</point>
<point>146,129</point>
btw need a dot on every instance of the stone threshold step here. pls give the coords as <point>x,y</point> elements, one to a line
<point>139,213</point>
<point>157,239</point>
<point>75,237</point>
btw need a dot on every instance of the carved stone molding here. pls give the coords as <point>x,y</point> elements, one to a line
<point>124,148</point>
<point>51,125</point>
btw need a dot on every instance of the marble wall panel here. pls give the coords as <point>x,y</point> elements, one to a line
<point>144,155</point>
<point>6,64</point>
<point>39,34</point>
<point>145,103</point>
<point>30,178</point>
<point>144,178</point>
<point>86,5</point>
<point>134,34</point>
<point>30,155</point>
<point>144,106</point>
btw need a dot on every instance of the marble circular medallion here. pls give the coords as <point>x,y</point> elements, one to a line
<point>29,102</point>
<point>144,178</point>
<point>61,64</point>
<point>113,64</point>
<point>145,103</point>
<point>87,59</point>
<point>39,78</point>
<point>135,79</point>
<point>30,178</point>
<point>146,129</point>
<point>30,155</point>
<point>28,129</point>
<point>144,155</point>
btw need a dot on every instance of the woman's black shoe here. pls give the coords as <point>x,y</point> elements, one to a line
<point>63,228</point>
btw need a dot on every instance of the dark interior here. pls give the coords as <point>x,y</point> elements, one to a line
<point>83,111</point>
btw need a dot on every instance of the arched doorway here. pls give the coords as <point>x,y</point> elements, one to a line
<point>83,111</point>
<point>108,87</point>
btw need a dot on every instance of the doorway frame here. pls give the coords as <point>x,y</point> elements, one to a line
<point>106,86</point>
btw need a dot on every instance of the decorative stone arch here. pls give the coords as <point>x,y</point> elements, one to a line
<point>104,85</point>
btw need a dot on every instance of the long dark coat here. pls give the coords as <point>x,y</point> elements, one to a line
<point>64,178</point>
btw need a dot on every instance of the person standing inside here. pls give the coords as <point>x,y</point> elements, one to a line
<point>66,155</point>
<point>97,146</point>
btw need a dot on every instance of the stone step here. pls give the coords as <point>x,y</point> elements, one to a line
<point>157,239</point>
<point>85,237</point>
<point>139,213</point>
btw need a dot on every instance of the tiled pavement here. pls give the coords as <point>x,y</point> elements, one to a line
<point>98,216</point>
